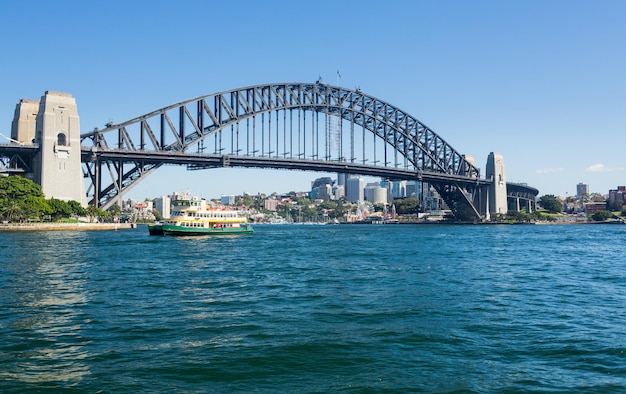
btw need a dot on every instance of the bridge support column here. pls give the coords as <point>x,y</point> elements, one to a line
<point>58,167</point>
<point>496,198</point>
<point>25,120</point>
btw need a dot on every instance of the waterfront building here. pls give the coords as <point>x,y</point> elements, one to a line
<point>595,206</point>
<point>431,200</point>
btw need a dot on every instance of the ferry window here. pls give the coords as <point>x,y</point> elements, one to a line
<point>61,139</point>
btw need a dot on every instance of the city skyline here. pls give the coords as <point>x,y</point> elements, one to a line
<point>540,83</point>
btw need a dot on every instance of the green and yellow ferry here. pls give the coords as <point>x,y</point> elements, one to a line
<point>195,217</point>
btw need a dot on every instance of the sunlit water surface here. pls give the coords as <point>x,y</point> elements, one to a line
<point>356,308</point>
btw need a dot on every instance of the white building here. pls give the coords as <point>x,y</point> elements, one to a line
<point>339,191</point>
<point>375,194</point>
<point>163,205</point>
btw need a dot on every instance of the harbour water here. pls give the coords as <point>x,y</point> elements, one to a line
<point>354,308</point>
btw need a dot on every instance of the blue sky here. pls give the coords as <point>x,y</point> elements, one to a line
<point>542,82</point>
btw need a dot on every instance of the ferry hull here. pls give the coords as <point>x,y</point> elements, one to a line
<point>155,229</point>
<point>176,230</point>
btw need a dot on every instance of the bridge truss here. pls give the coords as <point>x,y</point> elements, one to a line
<point>303,126</point>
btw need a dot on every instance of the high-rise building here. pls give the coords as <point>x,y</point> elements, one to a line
<point>339,191</point>
<point>341,179</point>
<point>228,200</point>
<point>325,192</point>
<point>163,205</point>
<point>582,189</point>
<point>375,194</point>
<point>321,181</point>
<point>398,189</point>
<point>413,189</point>
<point>354,189</point>
<point>617,198</point>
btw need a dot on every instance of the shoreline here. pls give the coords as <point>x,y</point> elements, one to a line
<point>65,226</point>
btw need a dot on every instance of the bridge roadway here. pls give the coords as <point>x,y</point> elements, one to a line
<point>205,161</point>
<point>20,159</point>
<point>17,158</point>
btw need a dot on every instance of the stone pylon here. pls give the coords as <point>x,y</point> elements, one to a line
<point>496,198</point>
<point>24,122</point>
<point>58,167</point>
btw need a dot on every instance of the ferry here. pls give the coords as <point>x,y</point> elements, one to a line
<point>194,216</point>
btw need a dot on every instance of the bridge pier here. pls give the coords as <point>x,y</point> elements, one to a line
<point>495,195</point>
<point>57,166</point>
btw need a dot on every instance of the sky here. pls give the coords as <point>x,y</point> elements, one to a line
<point>541,82</point>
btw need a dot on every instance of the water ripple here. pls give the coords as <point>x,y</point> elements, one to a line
<point>404,308</point>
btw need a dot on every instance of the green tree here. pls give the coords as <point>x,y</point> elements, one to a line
<point>407,206</point>
<point>18,188</point>
<point>309,214</point>
<point>95,213</point>
<point>11,210</point>
<point>550,203</point>
<point>59,208</point>
<point>21,198</point>
<point>601,216</point>
<point>35,207</point>
<point>597,197</point>
<point>328,205</point>
<point>77,209</point>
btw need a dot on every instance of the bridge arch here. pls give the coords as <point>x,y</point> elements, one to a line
<point>255,126</point>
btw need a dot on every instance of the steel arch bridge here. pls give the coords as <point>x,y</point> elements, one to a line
<point>302,126</point>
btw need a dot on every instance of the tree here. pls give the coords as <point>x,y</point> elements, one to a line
<point>115,210</point>
<point>601,216</point>
<point>94,213</point>
<point>11,210</point>
<point>597,197</point>
<point>550,203</point>
<point>77,209</point>
<point>407,206</point>
<point>18,188</point>
<point>35,207</point>
<point>59,208</point>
